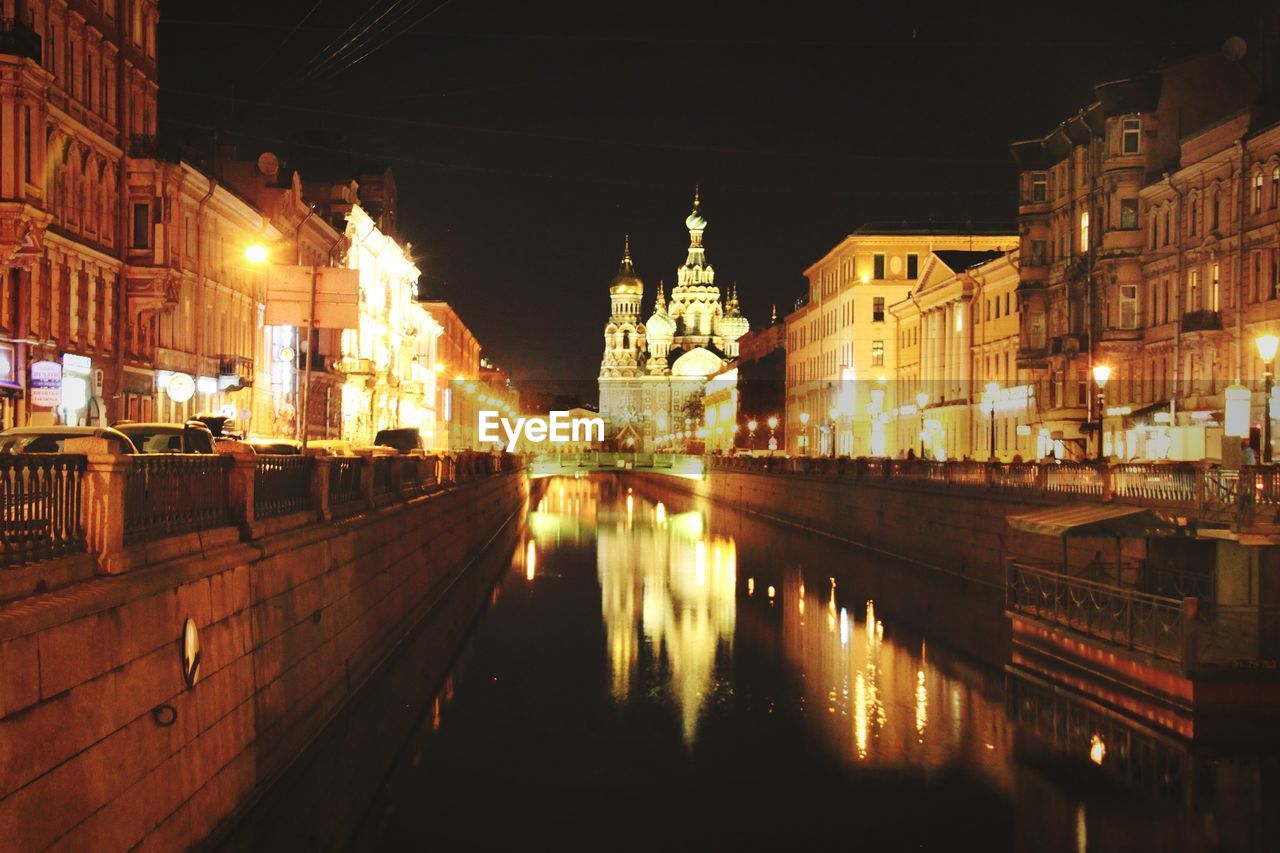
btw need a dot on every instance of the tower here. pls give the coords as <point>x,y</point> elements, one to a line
<point>695,300</point>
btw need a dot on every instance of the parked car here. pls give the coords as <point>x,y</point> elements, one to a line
<point>220,426</point>
<point>191,437</point>
<point>275,446</point>
<point>50,439</point>
<point>400,439</point>
<point>330,447</point>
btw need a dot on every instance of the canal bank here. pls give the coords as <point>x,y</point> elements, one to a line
<point>100,725</point>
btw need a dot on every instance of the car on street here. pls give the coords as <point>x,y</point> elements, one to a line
<point>330,447</point>
<point>50,439</point>
<point>191,437</point>
<point>400,439</point>
<point>274,446</point>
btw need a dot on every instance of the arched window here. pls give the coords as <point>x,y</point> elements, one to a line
<point>1215,212</point>
<point>1193,215</point>
<point>1275,187</point>
<point>626,339</point>
<point>1084,231</point>
<point>1257,193</point>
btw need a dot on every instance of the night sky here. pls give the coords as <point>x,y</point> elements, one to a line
<point>528,137</point>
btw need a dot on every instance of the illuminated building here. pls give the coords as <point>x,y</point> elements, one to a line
<point>1144,273</point>
<point>79,99</point>
<point>956,337</point>
<point>651,371</point>
<point>840,340</point>
<point>458,358</point>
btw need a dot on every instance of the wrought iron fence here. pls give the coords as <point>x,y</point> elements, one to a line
<point>281,485</point>
<point>168,493</point>
<point>344,480</point>
<point>1016,475</point>
<point>1123,617</point>
<point>1155,482</point>
<point>412,477</point>
<point>1073,478</point>
<point>40,507</point>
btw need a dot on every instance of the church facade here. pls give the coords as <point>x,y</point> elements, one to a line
<point>651,369</point>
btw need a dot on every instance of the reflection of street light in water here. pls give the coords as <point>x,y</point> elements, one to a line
<point>530,560</point>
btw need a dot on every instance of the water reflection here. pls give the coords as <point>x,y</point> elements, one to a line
<point>667,599</point>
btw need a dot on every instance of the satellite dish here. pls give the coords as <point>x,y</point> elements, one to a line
<point>1234,49</point>
<point>268,164</point>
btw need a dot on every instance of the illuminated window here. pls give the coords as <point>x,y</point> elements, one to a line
<point>1130,136</point>
<point>877,353</point>
<point>1193,289</point>
<point>1257,193</point>
<point>1084,231</point>
<point>1214,274</point>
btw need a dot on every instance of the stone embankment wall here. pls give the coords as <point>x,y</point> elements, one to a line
<point>102,743</point>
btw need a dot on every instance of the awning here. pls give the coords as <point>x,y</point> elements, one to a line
<point>1108,520</point>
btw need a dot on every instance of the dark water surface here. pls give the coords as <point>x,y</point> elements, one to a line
<point>674,676</point>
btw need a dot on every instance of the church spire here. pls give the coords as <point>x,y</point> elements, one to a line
<point>661,305</point>
<point>626,266</point>
<point>696,199</point>
<point>773,315</point>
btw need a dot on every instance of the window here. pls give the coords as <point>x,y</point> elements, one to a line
<point>1039,186</point>
<point>877,265</point>
<point>1128,313</point>
<point>1130,136</point>
<point>1275,187</point>
<point>1166,227</point>
<point>877,353</point>
<point>1007,302</point>
<point>1193,289</point>
<point>986,310</point>
<point>1037,253</point>
<point>1215,208</point>
<point>1128,214</point>
<point>142,226</point>
<point>913,260</point>
<point>877,310</point>
<point>1257,193</point>
<point>997,300</point>
<point>1193,215</point>
<point>1084,231</point>
<point>1215,271</point>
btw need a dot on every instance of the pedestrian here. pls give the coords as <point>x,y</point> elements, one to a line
<point>1247,456</point>
<point>911,453</point>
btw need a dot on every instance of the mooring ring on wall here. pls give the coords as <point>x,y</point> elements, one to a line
<point>164,715</point>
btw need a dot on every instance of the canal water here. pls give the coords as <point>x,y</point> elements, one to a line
<point>656,673</point>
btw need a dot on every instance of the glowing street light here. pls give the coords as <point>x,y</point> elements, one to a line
<point>992,389</point>
<point>256,254</point>
<point>1101,373</point>
<point>1267,352</point>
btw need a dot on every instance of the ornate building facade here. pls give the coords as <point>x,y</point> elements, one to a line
<point>651,370</point>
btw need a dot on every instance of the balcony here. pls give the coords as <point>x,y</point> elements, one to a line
<point>17,39</point>
<point>1201,321</point>
<point>239,366</point>
<point>1066,344</point>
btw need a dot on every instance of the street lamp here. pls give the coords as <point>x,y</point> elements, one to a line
<point>832,413</point>
<point>922,400</point>
<point>992,388</point>
<point>751,428</point>
<point>1101,373</point>
<point>773,425</point>
<point>1267,352</point>
<point>804,422</point>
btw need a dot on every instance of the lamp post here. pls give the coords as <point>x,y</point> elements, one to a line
<point>751,430</point>
<point>773,441</point>
<point>1101,373</point>
<point>1267,352</point>
<point>831,414</point>
<point>804,422</point>
<point>992,389</point>
<point>922,400</point>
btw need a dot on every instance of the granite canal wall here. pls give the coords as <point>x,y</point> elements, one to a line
<point>104,745</point>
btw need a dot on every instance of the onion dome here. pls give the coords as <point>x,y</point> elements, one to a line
<point>626,280</point>
<point>695,221</point>
<point>661,327</point>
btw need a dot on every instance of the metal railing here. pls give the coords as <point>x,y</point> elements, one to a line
<point>168,493</point>
<point>1127,618</point>
<point>1175,482</point>
<point>40,507</point>
<point>344,480</point>
<point>281,485</point>
<point>1238,636</point>
<point>1073,478</point>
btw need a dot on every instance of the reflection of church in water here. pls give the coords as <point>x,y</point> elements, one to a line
<point>667,595</point>
<point>650,369</point>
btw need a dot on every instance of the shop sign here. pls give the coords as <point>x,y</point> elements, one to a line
<point>46,384</point>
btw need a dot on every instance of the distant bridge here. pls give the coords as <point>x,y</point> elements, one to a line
<point>576,464</point>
